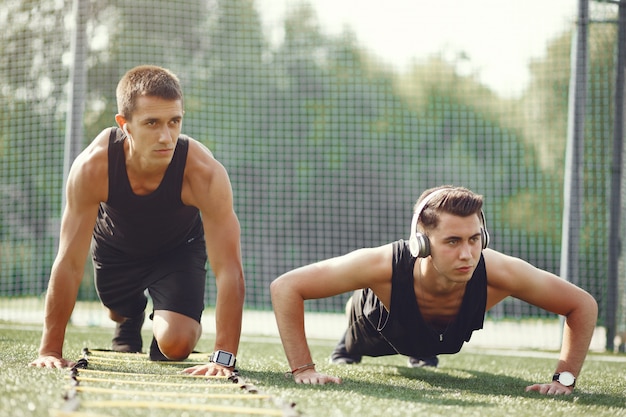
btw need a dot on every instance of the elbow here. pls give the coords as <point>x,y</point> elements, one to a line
<point>593,306</point>
<point>586,309</point>
<point>280,289</point>
<point>590,306</point>
<point>275,289</point>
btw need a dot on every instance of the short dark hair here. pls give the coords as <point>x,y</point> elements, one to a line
<point>458,201</point>
<point>146,80</point>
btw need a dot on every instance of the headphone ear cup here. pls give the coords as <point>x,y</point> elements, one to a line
<point>484,235</point>
<point>413,245</point>
<point>419,245</point>
<point>418,242</point>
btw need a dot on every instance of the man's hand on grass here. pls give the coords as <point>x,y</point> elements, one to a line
<point>210,369</point>
<point>554,388</point>
<point>51,361</point>
<point>311,376</point>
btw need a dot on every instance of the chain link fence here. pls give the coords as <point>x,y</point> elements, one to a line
<point>327,144</point>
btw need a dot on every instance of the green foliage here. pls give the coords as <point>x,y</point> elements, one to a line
<point>327,148</point>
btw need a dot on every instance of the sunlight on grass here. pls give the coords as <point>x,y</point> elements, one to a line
<point>468,384</point>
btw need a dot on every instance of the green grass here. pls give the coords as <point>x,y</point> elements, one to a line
<point>471,383</point>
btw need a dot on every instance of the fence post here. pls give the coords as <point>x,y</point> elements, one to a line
<point>77,89</point>
<point>573,183</point>
<point>615,205</point>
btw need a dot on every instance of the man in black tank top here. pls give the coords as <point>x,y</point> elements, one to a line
<point>426,296</point>
<point>154,205</point>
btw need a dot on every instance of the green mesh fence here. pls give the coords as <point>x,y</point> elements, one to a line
<point>327,144</point>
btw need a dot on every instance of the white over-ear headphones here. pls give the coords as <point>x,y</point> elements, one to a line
<point>419,243</point>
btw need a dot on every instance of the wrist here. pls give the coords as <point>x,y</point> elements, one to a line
<point>50,352</point>
<point>565,378</point>
<point>224,358</point>
<point>295,371</point>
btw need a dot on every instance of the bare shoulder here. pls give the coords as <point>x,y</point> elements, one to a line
<point>199,153</point>
<point>509,272</point>
<point>497,261</point>
<point>375,266</point>
<point>89,171</point>
<point>371,265</point>
<point>514,275</point>
<point>381,259</point>
<point>374,256</point>
<point>95,155</point>
<point>201,163</point>
<point>205,177</point>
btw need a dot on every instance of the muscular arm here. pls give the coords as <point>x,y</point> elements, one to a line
<point>512,276</point>
<point>83,194</point>
<point>358,269</point>
<point>224,253</point>
<point>209,189</point>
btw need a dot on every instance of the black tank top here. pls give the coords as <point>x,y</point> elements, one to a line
<point>131,227</point>
<point>404,327</point>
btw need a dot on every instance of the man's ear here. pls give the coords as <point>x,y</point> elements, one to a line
<point>120,120</point>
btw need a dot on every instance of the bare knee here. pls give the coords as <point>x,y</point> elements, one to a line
<point>175,334</point>
<point>176,348</point>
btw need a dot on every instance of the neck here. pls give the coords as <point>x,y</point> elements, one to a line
<point>434,281</point>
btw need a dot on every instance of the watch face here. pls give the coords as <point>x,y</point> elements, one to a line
<point>223,358</point>
<point>566,378</point>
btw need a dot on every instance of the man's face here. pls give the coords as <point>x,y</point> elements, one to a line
<point>455,246</point>
<point>154,129</point>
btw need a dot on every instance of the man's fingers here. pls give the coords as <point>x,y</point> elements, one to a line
<point>51,362</point>
<point>549,389</point>
<point>196,370</point>
<point>209,370</point>
<point>315,378</point>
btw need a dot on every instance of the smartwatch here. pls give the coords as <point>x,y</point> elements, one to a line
<point>221,357</point>
<point>565,378</point>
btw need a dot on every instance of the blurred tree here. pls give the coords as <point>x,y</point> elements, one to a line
<point>126,34</point>
<point>326,145</point>
<point>32,81</point>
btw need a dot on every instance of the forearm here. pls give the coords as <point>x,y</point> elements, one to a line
<point>60,301</point>
<point>577,333</point>
<point>289,312</point>
<point>229,312</point>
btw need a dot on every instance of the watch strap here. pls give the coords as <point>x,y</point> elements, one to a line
<point>215,358</point>
<point>557,377</point>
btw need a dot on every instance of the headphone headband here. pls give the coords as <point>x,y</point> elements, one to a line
<point>419,243</point>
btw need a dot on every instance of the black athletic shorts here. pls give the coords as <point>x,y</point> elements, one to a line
<point>362,337</point>
<point>175,282</point>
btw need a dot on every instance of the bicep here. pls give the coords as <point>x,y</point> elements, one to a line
<point>212,195</point>
<point>79,217</point>
<point>361,268</point>
<point>222,239</point>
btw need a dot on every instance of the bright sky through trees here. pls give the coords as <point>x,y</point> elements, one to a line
<point>497,38</point>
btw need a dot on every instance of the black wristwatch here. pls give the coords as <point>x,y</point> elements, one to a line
<point>221,357</point>
<point>565,378</point>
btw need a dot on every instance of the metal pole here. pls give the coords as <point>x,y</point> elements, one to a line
<point>573,182</point>
<point>615,196</point>
<point>77,90</point>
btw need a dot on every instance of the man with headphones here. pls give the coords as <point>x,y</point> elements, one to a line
<point>426,296</point>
